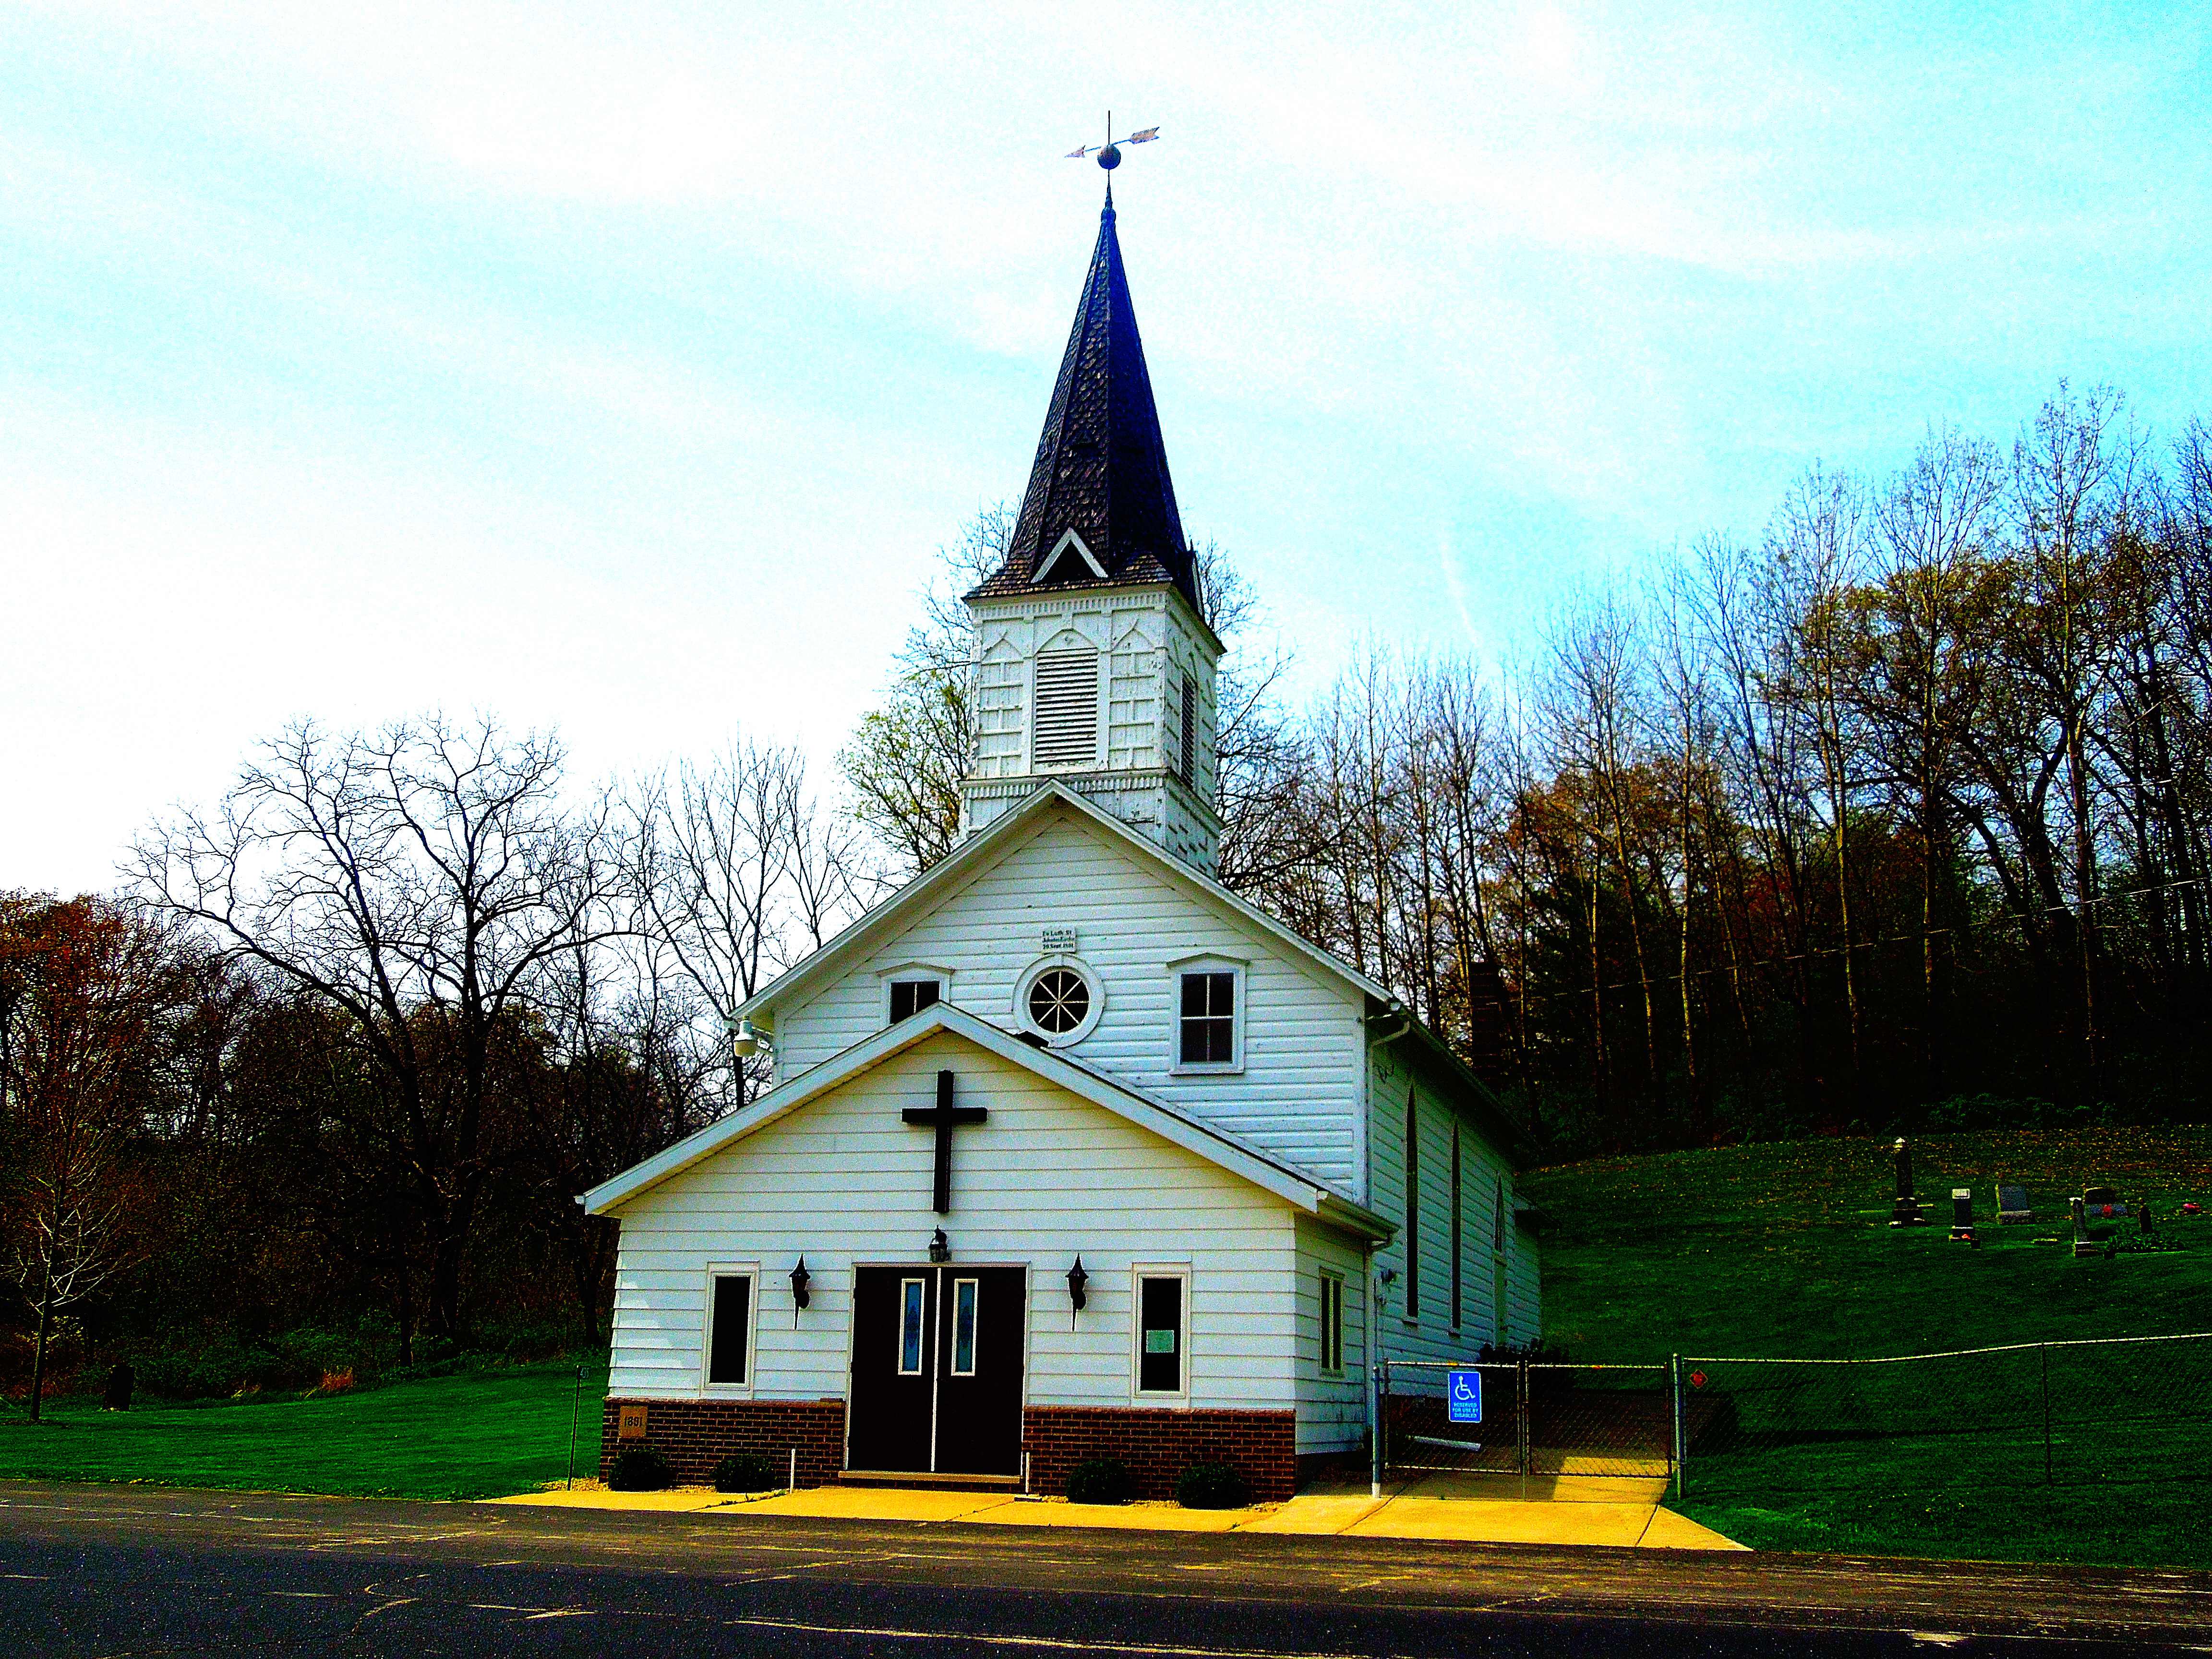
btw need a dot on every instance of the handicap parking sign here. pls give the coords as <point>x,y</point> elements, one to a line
<point>1465,1400</point>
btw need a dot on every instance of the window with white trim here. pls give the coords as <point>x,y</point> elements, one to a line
<point>910,996</point>
<point>730,1327</point>
<point>963,1327</point>
<point>1207,1027</point>
<point>1059,999</point>
<point>1332,1322</point>
<point>913,1305</point>
<point>1065,716</point>
<point>1161,1331</point>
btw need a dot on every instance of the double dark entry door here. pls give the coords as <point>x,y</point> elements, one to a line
<point>937,1370</point>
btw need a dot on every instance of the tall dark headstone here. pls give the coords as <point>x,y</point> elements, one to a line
<point>120,1381</point>
<point>1905,1211</point>
<point>1962,1215</point>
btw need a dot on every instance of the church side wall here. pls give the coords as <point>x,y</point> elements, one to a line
<point>1297,1096</point>
<point>844,1181</point>
<point>1484,1315</point>
<point>1332,1408</point>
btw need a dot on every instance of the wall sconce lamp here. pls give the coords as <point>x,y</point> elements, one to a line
<point>940,1247</point>
<point>1077,1279</point>
<point>799,1276</point>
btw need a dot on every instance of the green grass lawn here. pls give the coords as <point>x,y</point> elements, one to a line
<point>474,1434</point>
<point>1784,1251</point>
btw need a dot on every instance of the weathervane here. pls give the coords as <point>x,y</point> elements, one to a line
<point>1109,153</point>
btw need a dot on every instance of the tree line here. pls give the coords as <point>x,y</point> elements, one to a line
<point>1896,813</point>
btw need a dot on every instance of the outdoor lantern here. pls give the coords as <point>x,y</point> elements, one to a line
<point>1077,1279</point>
<point>940,1247</point>
<point>799,1278</point>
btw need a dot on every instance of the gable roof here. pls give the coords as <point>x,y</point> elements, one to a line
<point>1101,472</point>
<point>1133,1105</point>
<point>987,845</point>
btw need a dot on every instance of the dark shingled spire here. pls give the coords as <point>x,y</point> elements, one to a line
<point>1100,469</point>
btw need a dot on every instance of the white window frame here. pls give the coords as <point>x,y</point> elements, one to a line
<point>925,1360</point>
<point>718,1270</point>
<point>1037,970</point>
<point>1139,1272</point>
<point>1333,1279</point>
<point>953,1326</point>
<point>911,971</point>
<point>1208,961</point>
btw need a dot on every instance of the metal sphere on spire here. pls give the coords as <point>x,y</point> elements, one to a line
<point>1109,158</point>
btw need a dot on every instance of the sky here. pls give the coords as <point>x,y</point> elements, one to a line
<point>617,369</point>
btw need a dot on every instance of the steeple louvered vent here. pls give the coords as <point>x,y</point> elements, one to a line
<point>1066,730</point>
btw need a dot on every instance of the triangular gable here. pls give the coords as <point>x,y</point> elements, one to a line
<point>984,848</point>
<point>1133,1105</point>
<point>1068,539</point>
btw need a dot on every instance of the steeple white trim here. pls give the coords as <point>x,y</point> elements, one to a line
<point>1067,538</point>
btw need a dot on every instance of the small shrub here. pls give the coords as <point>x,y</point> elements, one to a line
<point>744,1471</point>
<point>1099,1481</point>
<point>1214,1487</point>
<point>639,1468</point>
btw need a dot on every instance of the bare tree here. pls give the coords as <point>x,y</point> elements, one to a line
<point>421,880</point>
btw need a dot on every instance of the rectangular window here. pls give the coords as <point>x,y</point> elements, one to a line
<point>1413,1205</point>
<point>910,1311</point>
<point>963,1327</point>
<point>1209,1019</point>
<point>729,1340</point>
<point>1332,1322</point>
<point>1160,1335</point>
<point>1066,729</point>
<point>910,996</point>
<point>1456,1230</point>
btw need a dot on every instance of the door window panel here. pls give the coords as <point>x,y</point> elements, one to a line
<point>963,1327</point>
<point>911,1309</point>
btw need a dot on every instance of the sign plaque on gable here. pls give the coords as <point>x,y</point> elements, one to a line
<point>1059,939</point>
<point>631,1423</point>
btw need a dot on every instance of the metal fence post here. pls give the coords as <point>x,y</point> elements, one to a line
<point>2043,1350</point>
<point>1521,1415</point>
<point>1674,1389</point>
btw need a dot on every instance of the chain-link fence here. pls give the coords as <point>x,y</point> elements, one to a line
<point>1527,1419</point>
<point>2077,1413</point>
<point>2059,1414</point>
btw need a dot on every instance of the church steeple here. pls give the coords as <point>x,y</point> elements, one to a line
<point>1100,506</point>
<point>1094,664</point>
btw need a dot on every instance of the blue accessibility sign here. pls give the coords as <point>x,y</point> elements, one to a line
<point>1465,1400</point>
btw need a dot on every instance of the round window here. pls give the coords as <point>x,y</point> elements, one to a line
<point>1059,1001</point>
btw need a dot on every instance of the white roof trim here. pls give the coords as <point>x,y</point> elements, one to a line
<point>979,850</point>
<point>1078,1079</point>
<point>1068,539</point>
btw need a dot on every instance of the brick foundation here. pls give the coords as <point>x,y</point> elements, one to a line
<point>1158,1445</point>
<point>695,1435</point>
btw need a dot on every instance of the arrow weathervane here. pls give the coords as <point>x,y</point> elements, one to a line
<point>1109,153</point>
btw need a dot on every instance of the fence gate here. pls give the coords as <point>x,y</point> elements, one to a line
<point>1543,1420</point>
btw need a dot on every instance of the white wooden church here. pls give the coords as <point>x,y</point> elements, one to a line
<point>1070,1152</point>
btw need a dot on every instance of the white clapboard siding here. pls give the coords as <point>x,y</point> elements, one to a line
<point>1332,1410</point>
<point>843,1180</point>
<point>1304,1046</point>
<point>1432,1335</point>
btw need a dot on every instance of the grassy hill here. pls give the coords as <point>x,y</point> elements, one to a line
<point>1784,1251</point>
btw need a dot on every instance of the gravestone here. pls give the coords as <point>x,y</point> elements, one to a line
<point>1905,1211</point>
<point>120,1381</point>
<point>1962,1215</point>
<point>2083,1245</point>
<point>2012,1204</point>
<point>2104,1204</point>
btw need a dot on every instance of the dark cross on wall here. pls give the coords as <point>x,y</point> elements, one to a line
<point>942,1117</point>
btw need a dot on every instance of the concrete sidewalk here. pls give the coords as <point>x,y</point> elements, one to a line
<point>1471,1509</point>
